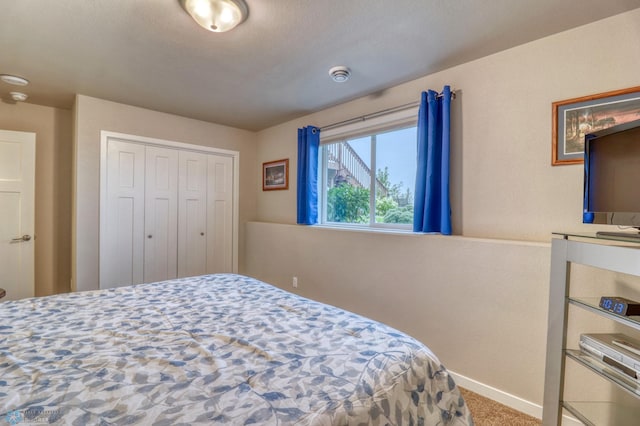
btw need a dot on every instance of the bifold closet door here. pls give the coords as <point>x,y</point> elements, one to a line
<point>161,214</point>
<point>220,214</point>
<point>192,214</point>
<point>167,213</point>
<point>123,250</point>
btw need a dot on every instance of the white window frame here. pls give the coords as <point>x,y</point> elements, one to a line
<point>396,120</point>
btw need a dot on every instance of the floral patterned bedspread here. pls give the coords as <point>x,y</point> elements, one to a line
<point>210,350</point>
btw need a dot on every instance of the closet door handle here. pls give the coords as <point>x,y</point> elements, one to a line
<point>202,234</point>
<point>21,239</point>
<point>149,236</point>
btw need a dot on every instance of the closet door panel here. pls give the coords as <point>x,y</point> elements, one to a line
<point>220,214</point>
<point>122,262</point>
<point>167,211</point>
<point>161,214</point>
<point>192,214</point>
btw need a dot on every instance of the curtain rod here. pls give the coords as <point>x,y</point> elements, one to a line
<point>380,113</point>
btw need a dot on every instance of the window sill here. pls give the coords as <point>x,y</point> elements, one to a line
<point>381,230</point>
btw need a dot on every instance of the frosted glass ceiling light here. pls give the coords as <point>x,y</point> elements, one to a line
<point>216,15</point>
<point>14,79</point>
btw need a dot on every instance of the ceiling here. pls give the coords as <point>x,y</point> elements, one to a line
<point>274,66</point>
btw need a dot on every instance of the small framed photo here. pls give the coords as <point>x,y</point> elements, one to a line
<point>275,175</point>
<point>575,118</point>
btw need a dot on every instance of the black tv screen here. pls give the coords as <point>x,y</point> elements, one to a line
<point>612,176</point>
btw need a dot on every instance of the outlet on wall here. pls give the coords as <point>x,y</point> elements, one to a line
<point>295,282</point>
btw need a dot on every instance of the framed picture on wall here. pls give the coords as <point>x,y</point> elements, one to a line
<point>275,175</point>
<point>575,118</point>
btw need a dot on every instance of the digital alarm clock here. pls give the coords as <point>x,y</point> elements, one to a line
<point>620,305</point>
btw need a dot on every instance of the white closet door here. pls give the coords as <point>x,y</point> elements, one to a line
<point>17,207</point>
<point>220,214</point>
<point>124,233</point>
<point>192,214</point>
<point>161,214</point>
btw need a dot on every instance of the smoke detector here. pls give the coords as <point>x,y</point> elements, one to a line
<point>18,96</point>
<point>340,74</point>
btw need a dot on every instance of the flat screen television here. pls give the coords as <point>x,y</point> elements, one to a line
<point>612,178</point>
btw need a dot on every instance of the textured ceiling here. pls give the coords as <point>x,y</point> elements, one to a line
<point>274,66</point>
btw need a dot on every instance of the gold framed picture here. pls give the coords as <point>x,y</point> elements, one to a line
<point>275,175</point>
<point>575,118</point>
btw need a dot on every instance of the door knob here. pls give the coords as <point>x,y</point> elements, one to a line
<point>21,239</point>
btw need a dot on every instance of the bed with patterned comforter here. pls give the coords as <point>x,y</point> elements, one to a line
<point>211,350</point>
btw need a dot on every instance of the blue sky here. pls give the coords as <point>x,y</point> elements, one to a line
<point>393,150</point>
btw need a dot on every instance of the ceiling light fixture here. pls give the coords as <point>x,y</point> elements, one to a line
<point>18,96</point>
<point>216,15</point>
<point>14,79</point>
<point>340,74</point>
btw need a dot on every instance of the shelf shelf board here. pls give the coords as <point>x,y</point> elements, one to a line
<point>604,370</point>
<point>591,304</point>
<point>603,413</point>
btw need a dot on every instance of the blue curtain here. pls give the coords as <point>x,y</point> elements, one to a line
<point>308,144</point>
<point>432,207</point>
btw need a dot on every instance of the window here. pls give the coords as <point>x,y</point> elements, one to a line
<point>368,179</point>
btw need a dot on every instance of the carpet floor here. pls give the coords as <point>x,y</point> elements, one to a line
<point>487,412</point>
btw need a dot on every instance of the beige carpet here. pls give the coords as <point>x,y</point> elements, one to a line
<point>487,412</point>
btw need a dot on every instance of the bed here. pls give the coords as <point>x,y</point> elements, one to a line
<point>213,349</point>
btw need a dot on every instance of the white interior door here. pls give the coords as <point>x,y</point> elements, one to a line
<point>122,238</point>
<point>220,214</point>
<point>17,204</point>
<point>192,214</point>
<point>161,214</point>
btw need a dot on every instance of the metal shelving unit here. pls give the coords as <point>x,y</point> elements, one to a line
<point>617,255</point>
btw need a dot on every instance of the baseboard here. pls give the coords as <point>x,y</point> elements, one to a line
<point>511,401</point>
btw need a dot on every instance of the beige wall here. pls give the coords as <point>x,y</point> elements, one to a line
<point>94,115</point>
<point>52,127</point>
<point>503,188</point>
<point>503,183</point>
